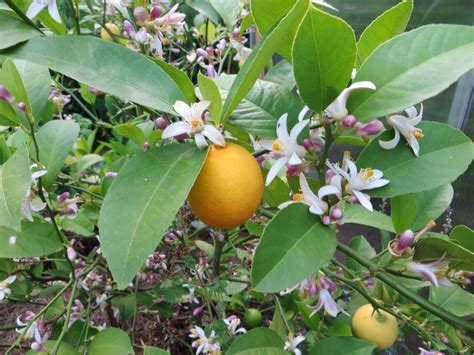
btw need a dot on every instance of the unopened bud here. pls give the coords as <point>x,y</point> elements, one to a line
<point>313,289</point>
<point>202,53</point>
<point>110,174</point>
<point>146,146</point>
<point>141,36</point>
<point>5,95</point>
<point>161,123</point>
<point>128,27</point>
<point>348,121</point>
<point>71,253</point>
<point>22,106</point>
<point>405,240</point>
<point>155,13</point>
<point>328,176</point>
<point>94,91</point>
<point>293,170</point>
<point>369,129</point>
<point>140,15</point>
<point>326,220</point>
<point>336,213</point>
<point>308,144</point>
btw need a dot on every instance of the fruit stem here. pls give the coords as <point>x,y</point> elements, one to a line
<point>219,242</point>
<point>448,317</point>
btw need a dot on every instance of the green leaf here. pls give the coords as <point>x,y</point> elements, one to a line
<point>4,151</point>
<point>107,66</point>
<point>324,52</point>
<point>181,79</point>
<point>11,79</point>
<point>210,92</point>
<point>259,58</point>
<point>205,8</point>
<point>227,9</point>
<point>434,247</point>
<point>205,247</point>
<point>80,225</point>
<point>267,13</point>
<point>15,180</point>
<point>343,346</point>
<point>445,153</point>
<point>360,215</point>
<point>423,62</point>
<point>14,30</point>
<point>258,341</point>
<point>266,102</point>
<point>311,322</point>
<point>363,248</point>
<point>403,212</point>
<point>276,193</point>
<point>142,202</point>
<point>8,116</point>
<point>55,141</point>
<point>36,238</point>
<point>431,204</point>
<point>281,74</point>
<point>464,236</point>
<point>111,341</point>
<point>132,132</point>
<point>294,245</point>
<point>453,299</point>
<point>148,350</point>
<point>391,23</point>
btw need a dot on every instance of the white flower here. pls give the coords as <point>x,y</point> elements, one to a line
<point>337,109</point>
<point>285,145</point>
<point>292,343</point>
<point>327,302</point>
<point>405,125</point>
<point>242,51</point>
<point>194,124</point>
<point>429,352</point>
<point>315,202</point>
<point>190,297</point>
<point>29,205</point>
<point>365,179</point>
<point>171,18</point>
<point>323,4</point>
<point>434,272</point>
<point>5,287</point>
<point>233,323</point>
<point>204,345</point>
<point>38,5</point>
<point>28,331</point>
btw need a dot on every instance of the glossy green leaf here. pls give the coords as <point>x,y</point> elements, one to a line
<point>227,9</point>
<point>268,12</point>
<point>275,193</point>
<point>431,204</point>
<point>111,341</point>
<point>391,23</point>
<point>14,30</point>
<point>181,79</point>
<point>15,180</point>
<point>152,186</point>
<point>266,102</point>
<point>403,212</point>
<point>132,132</point>
<point>8,116</point>
<point>210,92</point>
<point>464,236</point>
<point>434,247</point>
<point>4,151</point>
<point>453,299</point>
<point>363,248</point>
<point>148,350</point>
<point>36,238</point>
<point>311,322</point>
<point>55,141</point>
<point>258,341</point>
<point>445,153</point>
<point>324,52</point>
<point>423,62</point>
<point>205,8</point>
<point>281,74</point>
<point>259,58</point>
<point>360,215</point>
<point>294,245</point>
<point>342,345</point>
<point>120,71</point>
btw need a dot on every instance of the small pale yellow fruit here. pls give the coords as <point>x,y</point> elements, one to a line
<point>112,28</point>
<point>379,328</point>
<point>229,187</point>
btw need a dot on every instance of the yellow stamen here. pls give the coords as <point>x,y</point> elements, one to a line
<point>298,197</point>
<point>276,146</point>
<point>347,154</point>
<point>194,122</point>
<point>370,172</point>
<point>418,135</point>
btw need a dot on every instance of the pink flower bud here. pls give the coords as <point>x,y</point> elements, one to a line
<point>197,311</point>
<point>404,241</point>
<point>161,123</point>
<point>348,121</point>
<point>22,106</point>
<point>29,315</point>
<point>293,170</point>
<point>369,128</point>
<point>326,220</point>
<point>175,50</point>
<point>71,253</point>
<point>369,282</point>
<point>328,176</point>
<point>37,346</point>
<point>5,95</point>
<point>94,91</point>
<point>313,289</point>
<point>176,17</point>
<point>260,159</point>
<point>110,174</point>
<point>336,213</point>
<point>63,197</point>
<point>146,146</point>
<point>140,15</point>
<point>155,13</point>
<point>308,144</point>
<point>221,46</point>
<point>128,27</point>
<point>202,53</point>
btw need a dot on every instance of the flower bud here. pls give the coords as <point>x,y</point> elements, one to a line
<point>309,145</point>
<point>155,13</point>
<point>293,170</point>
<point>94,91</point>
<point>221,46</point>
<point>128,27</point>
<point>202,53</point>
<point>161,123</point>
<point>404,241</point>
<point>328,176</point>
<point>348,121</point>
<point>37,346</point>
<point>5,95</point>
<point>63,197</point>
<point>326,220</point>
<point>313,289</point>
<point>71,254</point>
<point>110,174</point>
<point>140,15</point>
<point>369,128</point>
<point>336,213</point>
<point>146,146</point>
<point>369,282</point>
<point>22,106</point>
<point>197,311</point>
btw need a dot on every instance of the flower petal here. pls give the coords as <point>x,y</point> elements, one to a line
<point>327,190</point>
<point>282,128</point>
<point>296,130</point>
<point>265,144</point>
<point>35,8</point>
<point>275,169</point>
<point>176,129</point>
<point>303,113</point>
<point>417,119</point>
<point>198,109</point>
<point>200,140</point>
<point>391,143</point>
<point>53,11</point>
<point>294,159</point>
<point>214,135</point>
<point>183,110</point>
<point>352,168</point>
<point>415,146</point>
<point>376,183</point>
<point>364,200</point>
<point>285,204</point>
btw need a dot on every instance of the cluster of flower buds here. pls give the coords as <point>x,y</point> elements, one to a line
<point>156,261</point>
<point>208,57</point>
<point>58,99</point>
<point>68,206</point>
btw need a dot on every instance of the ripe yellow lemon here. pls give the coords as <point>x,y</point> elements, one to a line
<point>112,28</point>
<point>229,188</point>
<point>379,328</point>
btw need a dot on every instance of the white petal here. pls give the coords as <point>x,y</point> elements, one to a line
<point>27,210</point>
<point>330,305</point>
<point>364,200</point>
<point>336,181</point>
<point>303,113</point>
<point>352,168</point>
<point>417,119</point>
<point>214,135</point>
<point>391,143</point>
<point>265,144</point>
<point>275,169</point>
<point>415,146</point>
<point>176,129</point>
<point>184,110</point>
<point>304,186</point>
<point>285,204</point>
<point>296,130</point>
<point>199,108</point>
<point>376,183</point>
<point>295,159</point>
<point>35,8</point>
<point>10,279</point>
<point>38,174</point>
<point>327,190</point>
<point>53,11</point>
<point>315,209</point>
<point>37,207</point>
<point>338,107</point>
<point>411,112</point>
<point>324,4</point>
<point>200,140</point>
<point>282,129</point>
